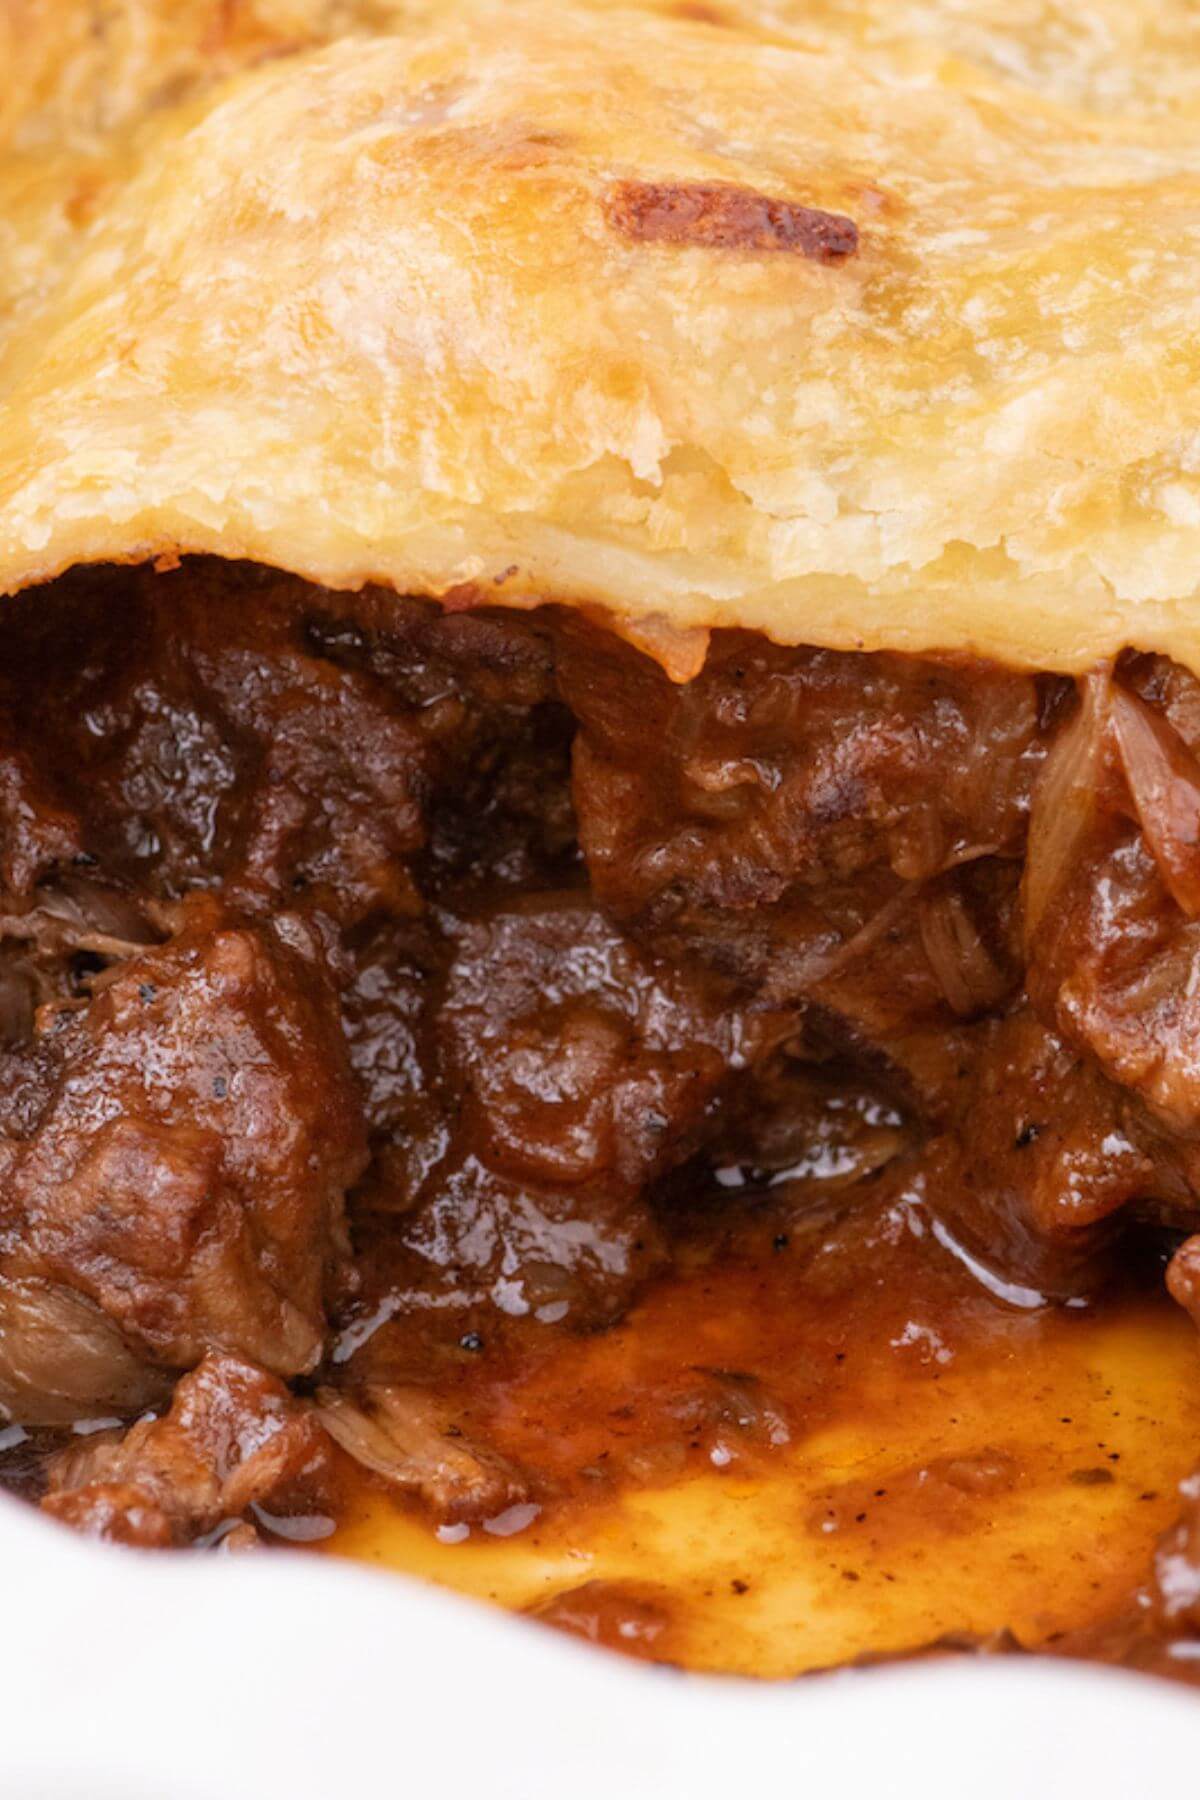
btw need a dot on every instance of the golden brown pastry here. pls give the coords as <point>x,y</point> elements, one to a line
<point>862,325</point>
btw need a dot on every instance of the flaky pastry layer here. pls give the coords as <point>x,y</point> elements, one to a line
<point>863,325</point>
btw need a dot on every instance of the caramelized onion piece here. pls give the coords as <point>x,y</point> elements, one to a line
<point>92,908</point>
<point>1164,785</point>
<point>961,962</point>
<point>1065,802</point>
<point>1163,781</point>
<point>61,1358</point>
<point>401,1434</point>
<point>87,915</point>
<point>76,914</point>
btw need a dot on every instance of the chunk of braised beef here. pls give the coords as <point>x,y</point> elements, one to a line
<point>38,831</point>
<point>571,1074</point>
<point>185,1174</point>
<point>504,819</point>
<point>578,1061</point>
<point>1037,1155</point>
<point>475,1235</point>
<point>102,686</point>
<point>211,745</point>
<point>778,779</point>
<point>394,972</point>
<point>482,690</point>
<point>235,1445</point>
<point>248,729</point>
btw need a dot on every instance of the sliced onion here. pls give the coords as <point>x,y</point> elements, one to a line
<point>1164,785</point>
<point>832,962</point>
<point>960,960</point>
<point>400,1434</point>
<point>62,1358</point>
<point>1065,803</point>
<point>95,917</point>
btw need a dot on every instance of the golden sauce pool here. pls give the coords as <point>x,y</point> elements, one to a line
<point>812,1443</point>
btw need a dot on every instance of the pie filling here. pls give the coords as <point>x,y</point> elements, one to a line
<point>384,989</point>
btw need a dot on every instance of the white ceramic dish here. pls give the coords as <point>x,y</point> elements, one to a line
<point>130,1676</point>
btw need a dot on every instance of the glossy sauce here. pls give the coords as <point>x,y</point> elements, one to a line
<point>638,1120</point>
<point>876,1470</point>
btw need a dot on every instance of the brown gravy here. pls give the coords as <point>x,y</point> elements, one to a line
<point>694,1161</point>
<point>749,1474</point>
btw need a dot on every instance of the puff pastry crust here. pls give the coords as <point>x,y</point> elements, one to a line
<point>863,323</point>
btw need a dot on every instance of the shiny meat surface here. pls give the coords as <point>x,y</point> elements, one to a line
<point>185,1172</point>
<point>376,979</point>
<point>234,1442</point>
<point>793,803</point>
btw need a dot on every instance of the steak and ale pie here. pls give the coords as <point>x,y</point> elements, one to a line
<point>600,805</point>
